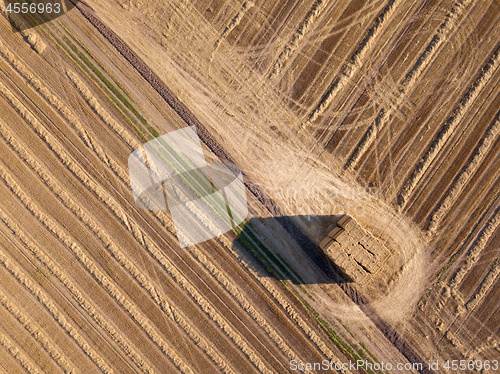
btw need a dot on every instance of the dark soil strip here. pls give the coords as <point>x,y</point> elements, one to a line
<point>188,117</point>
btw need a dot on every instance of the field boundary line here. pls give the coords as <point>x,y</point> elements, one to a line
<point>190,120</point>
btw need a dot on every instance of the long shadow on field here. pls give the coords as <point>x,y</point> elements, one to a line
<point>261,236</point>
<point>265,239</point>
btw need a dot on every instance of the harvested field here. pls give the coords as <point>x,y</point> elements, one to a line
<point>386,111</point>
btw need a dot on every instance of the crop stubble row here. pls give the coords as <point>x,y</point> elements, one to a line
<point>212,268</point>
<point>412,78</point>
<point>401,151</point>
<point>156,84</point>
<point>78,172</point>
<point>139,236</point>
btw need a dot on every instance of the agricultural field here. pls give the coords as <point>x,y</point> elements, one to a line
<point>386,111</point>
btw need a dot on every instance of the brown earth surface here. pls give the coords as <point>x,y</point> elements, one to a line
<point>387,111</point>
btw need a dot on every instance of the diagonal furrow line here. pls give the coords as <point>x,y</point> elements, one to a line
<point>75,292</point>
<point>38,293</point>
<point>355,62</point>
<point>449,127</point>
<point>77,251</point>
<point>89,265</point>
<point>37,333</point>
<point>480,153</point>
<point>475,252</point>
<point>299,34</point>
<point>137,233</point>
<point>18,355</point>
<point>485,286</point>
<point>85,218</point>
<point>234,22</point>
<point>408,82</point>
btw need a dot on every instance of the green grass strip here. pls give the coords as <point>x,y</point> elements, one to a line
<point>95,59</point>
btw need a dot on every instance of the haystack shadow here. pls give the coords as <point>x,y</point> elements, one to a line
<point>275,263</point>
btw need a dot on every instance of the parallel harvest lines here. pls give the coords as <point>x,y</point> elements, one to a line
<point>475,252</point>
<point>210,267</point>
<point>58,316</point>
<point>139,236</point>
<point>470,259</point>
<point>54,268</point>
<point>100,277</point>
<point>18,354</point>
<point>414,132</point>
<point>36,332</point>
<point>76,292</point>
<point>297,37</point>
<point>465,308</point>
<point>107,242</point>
<point>448,128</point>
<point>325,53</point>
<point>454,159</point>
<point>78,252</point>
<point>374,86</point>
<point>479,154</point>
<point>355,61</point>
<point>409,81</point>
<point>476,206</point>
<point>485,286</point>
<point>234,22</point>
